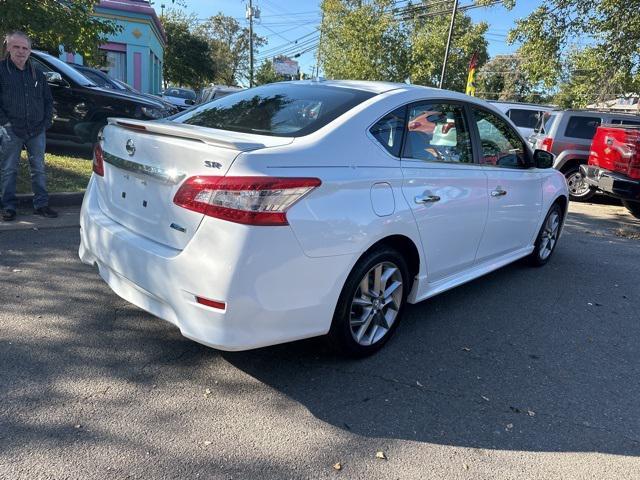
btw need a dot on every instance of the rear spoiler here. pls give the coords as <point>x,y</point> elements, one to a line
<point>166,128</point>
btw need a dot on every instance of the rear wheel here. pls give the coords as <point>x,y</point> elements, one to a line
<point>633,207</point>
<point>371,303</point>
<point>547,237</point>
<point>579,189</point>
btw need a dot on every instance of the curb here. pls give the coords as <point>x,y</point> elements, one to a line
<point>63,199</point>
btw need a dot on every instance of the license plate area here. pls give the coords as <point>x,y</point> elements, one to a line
<point>139,195</point>
<point>606,184</point>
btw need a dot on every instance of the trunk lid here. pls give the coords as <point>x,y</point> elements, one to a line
<point>146,162</point>
<point>617,148</point>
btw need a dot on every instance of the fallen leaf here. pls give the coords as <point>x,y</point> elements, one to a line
<point>531,413</point>
<point>465,466</point>
<point>381,455</point>
<point>207,442</point>
<point>337,466</point>
<point>419,384</point>
<point>77,426</point>
<point>16,270</point>
<point>509,426</point>
<point>485,398</point>
<point>207,392</point>
<point>466,349</point>
<point>590,304</point>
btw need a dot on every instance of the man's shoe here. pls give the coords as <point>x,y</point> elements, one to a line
<point>8,215</point>
<point>45,212</point>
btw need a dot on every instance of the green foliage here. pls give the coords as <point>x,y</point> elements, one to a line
<point>267,74</point>
<point>229,47</point>
<point>373,41</point>
<point>502,78</point>
<point>607,66</point>
<point>51,23</point>
<point>362,41</point>
<point>187,55</point>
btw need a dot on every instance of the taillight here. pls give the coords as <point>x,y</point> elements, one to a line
<point>246,200</point>
<point>547,144</point>
<point>98,160</point>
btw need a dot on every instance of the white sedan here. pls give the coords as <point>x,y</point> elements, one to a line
<point>308,208</point>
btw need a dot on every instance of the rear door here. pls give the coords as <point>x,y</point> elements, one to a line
<point>446,190</point>
<point>514,191</point>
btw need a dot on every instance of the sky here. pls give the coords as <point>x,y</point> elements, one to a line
<point>283,22</point>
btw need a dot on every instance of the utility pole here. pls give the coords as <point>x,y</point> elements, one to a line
<point>250,16</point>
<point>317,67</point>
<point>446,53</point>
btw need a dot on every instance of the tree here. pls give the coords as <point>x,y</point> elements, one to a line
<point>187,57</point>
<point>502,78</point>
<point>609,64</point>
<point>53,23</point>
<point>267,74</point>
<point>428,43</point>
<point>229,46</point>
<point>362,41</point>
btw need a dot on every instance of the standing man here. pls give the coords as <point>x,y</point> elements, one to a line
<point>26,111</point>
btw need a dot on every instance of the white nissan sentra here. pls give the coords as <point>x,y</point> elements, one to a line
<point>308,208</point>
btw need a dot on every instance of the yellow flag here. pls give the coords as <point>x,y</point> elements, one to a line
<point>471,79</point>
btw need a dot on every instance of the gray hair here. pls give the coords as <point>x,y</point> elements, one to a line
<point>17,33</point>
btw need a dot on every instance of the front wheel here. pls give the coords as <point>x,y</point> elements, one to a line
<point>579,189</point>
<point>371,303</point>
<point>547,237</point>
<point>633,207</point>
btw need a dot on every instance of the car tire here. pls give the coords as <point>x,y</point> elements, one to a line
<point>579,191</point>
<point>365,317</point>
<point>633,207</point>
<point>547,238</point>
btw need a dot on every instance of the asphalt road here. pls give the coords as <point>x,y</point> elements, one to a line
<point>525,373</point>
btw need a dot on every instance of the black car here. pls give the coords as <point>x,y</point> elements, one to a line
<point>81,107</point>
<point>101,79</point>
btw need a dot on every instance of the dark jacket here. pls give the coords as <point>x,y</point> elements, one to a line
<point>25,99</point>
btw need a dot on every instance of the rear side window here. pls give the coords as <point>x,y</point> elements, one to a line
<point>524,118</point>
<point>286,110</point>
<point>388,131</point>
<point>582,127</point>
<point>625,122</point>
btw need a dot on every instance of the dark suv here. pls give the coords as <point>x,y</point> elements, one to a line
<point>81,108</point>
<point>568,134</point>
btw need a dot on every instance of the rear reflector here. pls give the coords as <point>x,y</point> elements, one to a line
<point>247,200</point>
<point>211,303</point>
<point>98,160</point>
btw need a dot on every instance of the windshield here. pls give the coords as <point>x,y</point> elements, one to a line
<point>283,109</point>
<point>180,93</point>
<point>67,70</point>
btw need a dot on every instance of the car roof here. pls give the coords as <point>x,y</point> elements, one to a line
<point>579,111</point>
<point>524,105</point>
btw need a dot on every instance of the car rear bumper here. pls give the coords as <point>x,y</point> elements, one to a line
<point>273,293</point>
<point>612,183</point>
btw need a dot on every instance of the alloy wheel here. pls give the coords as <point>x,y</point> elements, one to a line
<point>578,187</point>
<point>549,236</point>
<point>376,303</point>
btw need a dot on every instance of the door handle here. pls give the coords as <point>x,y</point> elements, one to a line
<point>498,193</point>
<point>426,199</point>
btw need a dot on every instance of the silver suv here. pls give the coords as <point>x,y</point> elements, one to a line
<point>568,134</point>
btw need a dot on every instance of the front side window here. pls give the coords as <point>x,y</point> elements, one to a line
<point>277,109</point>
<point>388,131</point>
<point>582,127</point>
<point>501,145</point>
<point>437,132</point>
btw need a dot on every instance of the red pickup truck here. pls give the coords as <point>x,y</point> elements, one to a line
<point>614,164</point>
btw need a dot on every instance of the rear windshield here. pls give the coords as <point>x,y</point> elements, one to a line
<point>277,109</point>
<point>180,93</point>
<point>524,118</point>
<point>625,122</point>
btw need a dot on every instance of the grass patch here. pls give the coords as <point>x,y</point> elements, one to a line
<point>64,173</point>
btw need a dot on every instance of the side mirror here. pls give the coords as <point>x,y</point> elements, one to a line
<point>543,159</point>
<point>55,78</point>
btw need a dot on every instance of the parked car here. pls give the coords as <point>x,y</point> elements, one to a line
<point>183,98</point>
<point>215,92</point>
<point>81,108</point>
<point>568,134</point>
<point>614,164</point>
<point>307,208</point>
<point>101,79</point>
<point>524,115</point>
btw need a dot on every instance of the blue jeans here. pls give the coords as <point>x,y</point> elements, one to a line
<point>9,158</point>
